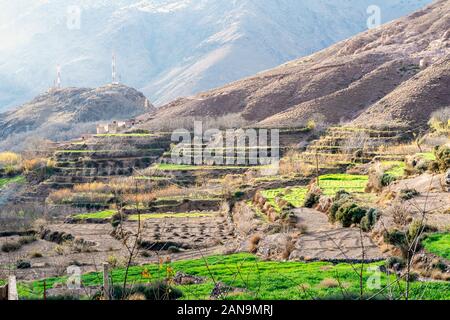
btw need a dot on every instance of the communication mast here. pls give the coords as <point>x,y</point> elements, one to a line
<point>58,77</point>
<point>114,70</point>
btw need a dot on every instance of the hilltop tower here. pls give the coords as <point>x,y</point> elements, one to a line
<point>58,77</point>
<point>114,71</point>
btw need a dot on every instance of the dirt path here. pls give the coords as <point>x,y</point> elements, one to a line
<point>324,241</point>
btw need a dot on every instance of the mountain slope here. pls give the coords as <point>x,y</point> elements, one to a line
<point>168,48</point>
<point>340,82</point>
<point>65,113</point>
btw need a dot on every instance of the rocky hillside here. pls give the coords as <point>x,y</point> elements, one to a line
<point>64,113</point>
<point>168,48</point>
<point>399,70</point>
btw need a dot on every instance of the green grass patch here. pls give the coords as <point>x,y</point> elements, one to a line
<point>438,244</point>
<point>430,156</point>
<point>96,215</point>
<point>147,216</point>
<point>261,279</point>
<point>295,196</point>
<point>394,168</point>
<point>332,183</point>
<point>5,181</point>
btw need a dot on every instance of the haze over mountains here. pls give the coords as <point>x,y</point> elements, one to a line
<point>168,48</point>
<point>394,75</point>
<point>63,114</point>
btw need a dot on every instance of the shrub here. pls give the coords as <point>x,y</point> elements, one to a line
<point>254,242</point>
<point>350,213</point>
<point>116,220</point>
<point>155,291</point>
<point>239,195</point>
<point>443,157</point>
<point>440,120</point>
<point>11,246</point>
<point>341,194</point>
<point>433,166</point>
<point>329,283</point>
<point>21,264</point>
<point>369,220</point>
<point>418,229</point>
<point>387,179</point>
<point>407,194</point>
<point>339,200</point>
<point>396,238</point>
<point>312,199</point>
<point>27,240</point>
<point>35,255</point>
<point>395,263</point>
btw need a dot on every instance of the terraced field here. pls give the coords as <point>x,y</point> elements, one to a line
<point>438,244</point>
<point>330,185</point>
<point>255,279</point>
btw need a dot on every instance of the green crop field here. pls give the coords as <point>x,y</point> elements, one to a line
<point>332,183</point>
<point>427,156</point>
<point>261,279</point>
<point>438,244</point>
<point>394,168</point>
<point>96,215</point>
<point>6,181</point>
<point>296,196</point>
<point>147,216</point>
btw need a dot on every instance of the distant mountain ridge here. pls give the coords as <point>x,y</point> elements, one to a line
<point>397,74</point>
<point>168,48</point>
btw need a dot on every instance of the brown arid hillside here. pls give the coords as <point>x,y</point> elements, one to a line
<point>61,114</point>
<point>396,74</point>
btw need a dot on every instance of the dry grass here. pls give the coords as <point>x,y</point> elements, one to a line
<point>10,158</point>
<point>98,187</point>
<point>254,242</point>
<point>141,198</point>
<point>173,191</point>
<point>59,196</point>
<point>290,165</point>
<point>329,283</point>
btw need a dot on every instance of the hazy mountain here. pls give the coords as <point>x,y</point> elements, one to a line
<point>68,113</point>
<point>396,74</point>
<point>167,48</point>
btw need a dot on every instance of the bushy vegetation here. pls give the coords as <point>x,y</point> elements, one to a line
<point>312,199</point>
<point>346,211</point>
<point>10,246</point>
<point>440,120</point>
<point>403,239</point>
<point>442,155</point>
<point>159,290</point>
<point>407,194</point>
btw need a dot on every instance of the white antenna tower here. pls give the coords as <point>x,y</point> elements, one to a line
<point>58,76</point>
<point>114,71</point>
